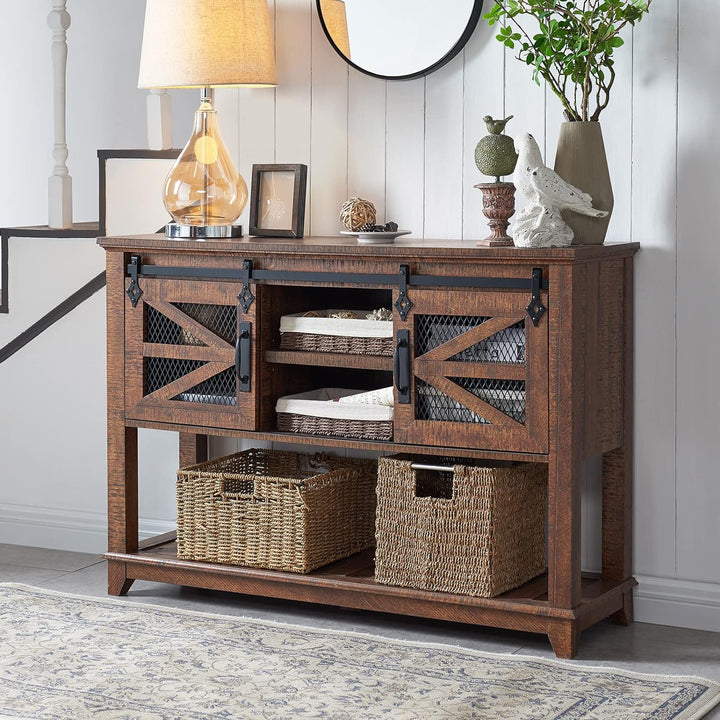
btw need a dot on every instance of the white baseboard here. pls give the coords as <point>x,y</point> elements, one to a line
<point>680,603</point>
<point>64,529</point>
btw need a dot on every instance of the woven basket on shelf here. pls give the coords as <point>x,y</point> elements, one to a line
<point>273,509</point>
<point>335,427</point>
<point>337,344</point>
<point>483,535</point>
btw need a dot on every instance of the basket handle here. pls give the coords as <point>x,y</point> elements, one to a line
<point>225,494</point>
<point>436,468</point>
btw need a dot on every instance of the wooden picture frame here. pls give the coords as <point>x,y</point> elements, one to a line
<point>277,200</point>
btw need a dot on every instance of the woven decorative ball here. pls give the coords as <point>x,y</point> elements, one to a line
<point>357,212</point>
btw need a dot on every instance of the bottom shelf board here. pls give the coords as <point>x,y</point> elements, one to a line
<point>351,583</point>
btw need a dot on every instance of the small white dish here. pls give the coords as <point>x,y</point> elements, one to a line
<point>370,238</point>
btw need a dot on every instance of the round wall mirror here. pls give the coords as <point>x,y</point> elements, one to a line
<point>398,39</point>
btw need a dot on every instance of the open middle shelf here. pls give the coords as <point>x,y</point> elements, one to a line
<point>325,359</point>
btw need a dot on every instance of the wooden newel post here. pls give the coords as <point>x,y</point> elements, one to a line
<point>159,119</point>
<point>60,182</point>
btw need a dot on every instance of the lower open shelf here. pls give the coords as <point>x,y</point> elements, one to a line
<point>350,583</point>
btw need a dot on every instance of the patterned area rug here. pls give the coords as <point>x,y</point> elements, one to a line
<point>71,657</point>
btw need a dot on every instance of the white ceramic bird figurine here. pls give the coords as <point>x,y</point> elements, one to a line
<point>540,224</point>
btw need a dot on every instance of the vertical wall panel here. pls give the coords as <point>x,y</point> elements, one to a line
<point>328,151</point>
<point>653,225</point>
<point>256,133</point>
<point>554,118</point>
<point>405,155</point>
<point>698,269</point>
<point>366,140</point>
<point>484,95</point>
<point>293,96</point>
<point>444,151</point>
<point>525,101</point>
<point>617,124</point>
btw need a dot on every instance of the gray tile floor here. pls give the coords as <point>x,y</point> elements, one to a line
<point>640,647</point>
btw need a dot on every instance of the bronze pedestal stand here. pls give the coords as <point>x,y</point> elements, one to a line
<point>498,207</point>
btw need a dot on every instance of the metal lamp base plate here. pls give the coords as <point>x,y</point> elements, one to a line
<point>202,232</point>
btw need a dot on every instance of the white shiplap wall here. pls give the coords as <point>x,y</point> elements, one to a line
<point>408,147</point>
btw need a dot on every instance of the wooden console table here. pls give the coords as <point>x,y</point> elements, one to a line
<point>193,347</point>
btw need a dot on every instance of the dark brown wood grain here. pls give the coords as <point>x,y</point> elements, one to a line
<point>577,374</point>
<point>163,295</point>
<point>193,449</point>
<point>617,468</point>
<point>122,482</point>
<point>122,440</point>
<point>118,581</point>
<point>436,368</point>
<point>326,359</point>
<point>563,635</point>
<point>567,432</point>
<point>407,248</point>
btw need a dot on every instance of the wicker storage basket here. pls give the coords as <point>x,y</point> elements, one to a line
<point>337,344</point>
<point>317,413</point>
<point>278,510</point>
<point>475,531</point>
<point>321,331</point>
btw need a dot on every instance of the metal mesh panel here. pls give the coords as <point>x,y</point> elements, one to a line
<point>431,331</point>
<point>219,389</point>
<point>160,329</point>
<point>160,372</point>
<point>506,345</point>
<point>219,319</point>
<point>508,396</point>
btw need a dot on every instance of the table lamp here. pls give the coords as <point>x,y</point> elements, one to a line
<point>206,44</point>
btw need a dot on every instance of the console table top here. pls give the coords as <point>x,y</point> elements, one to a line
<point>401,248</point>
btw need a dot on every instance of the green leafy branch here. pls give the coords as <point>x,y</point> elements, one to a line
<point>571,47</point>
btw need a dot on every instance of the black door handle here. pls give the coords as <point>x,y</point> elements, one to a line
<point>401,366</point>
<point>243,357</point>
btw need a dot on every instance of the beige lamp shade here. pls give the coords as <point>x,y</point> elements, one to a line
<point>335,18</point>
<point>207,43</point>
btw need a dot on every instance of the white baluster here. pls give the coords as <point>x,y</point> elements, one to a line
<point>60,182</point>
<point>159,120</point>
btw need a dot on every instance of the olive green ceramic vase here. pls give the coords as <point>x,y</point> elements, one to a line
<point>581,161</point>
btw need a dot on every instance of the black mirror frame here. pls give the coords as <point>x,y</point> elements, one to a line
<point>459,45</point>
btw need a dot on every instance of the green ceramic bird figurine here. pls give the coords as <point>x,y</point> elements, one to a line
<point>495,153</point>
<point>495,127</point>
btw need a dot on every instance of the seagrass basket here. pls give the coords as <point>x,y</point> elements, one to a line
<point>337,344</point>
<point>334,427</point>
<point>318,412</point>
<point>475,531</point>
<point>349,332</point>
<point>277,510</point>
